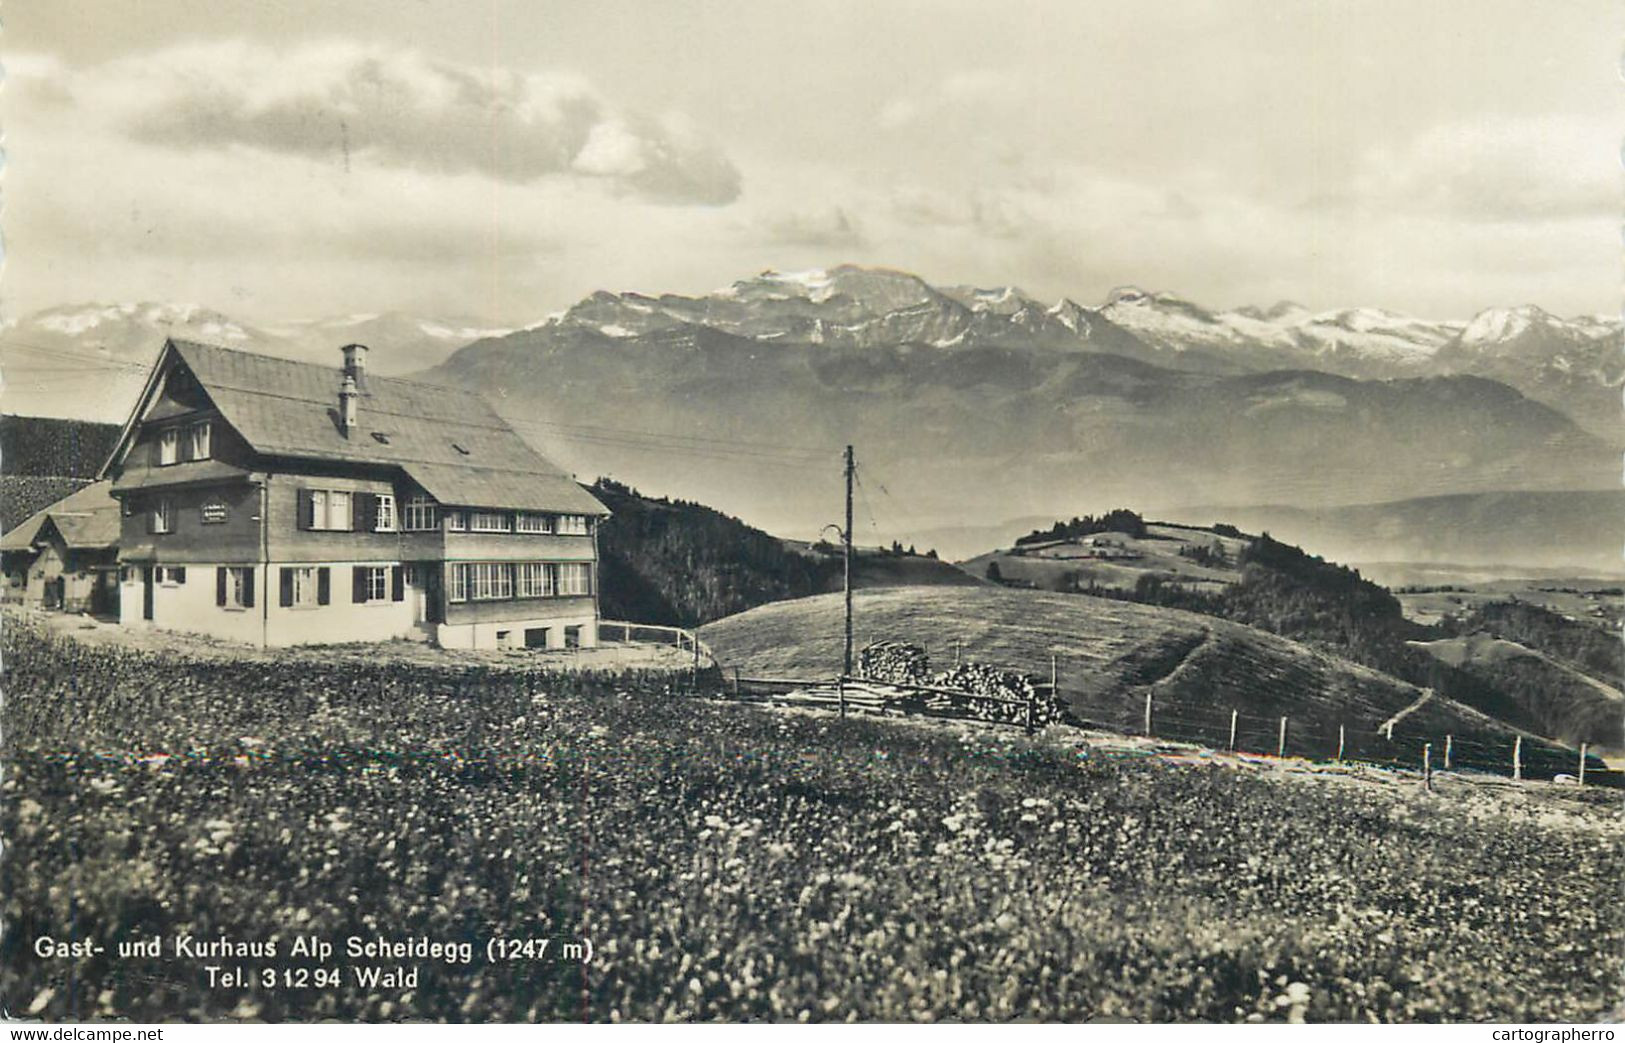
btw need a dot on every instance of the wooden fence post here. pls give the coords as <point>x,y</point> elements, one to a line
<point>1280,749</point>
<point>1449,742</point>
<point>1233,731</point>
<point>1517,759</point>
<point>1148,712</point>
<point>1340,744</point>
<point>840,695</point>
<point>736,682</point>
<point>1053,677</point>
<point>1583,746</point>
<point>1032,696</point>
<point>1427,765</point>
<point>696,672</point>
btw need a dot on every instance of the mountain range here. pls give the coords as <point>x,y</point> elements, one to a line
<point>1573,365</point>
<point>50,356</point>
<point>967,405</point>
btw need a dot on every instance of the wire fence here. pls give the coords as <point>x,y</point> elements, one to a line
<point>1318,737</point>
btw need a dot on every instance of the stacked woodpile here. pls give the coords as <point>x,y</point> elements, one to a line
<point>973,690</point>
<point>895,661</point>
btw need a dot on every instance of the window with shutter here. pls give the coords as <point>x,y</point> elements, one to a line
<point>358,584</point>
<point>361,519</point>
<point>324,586</point>
<point>220,586</point>
<point>397,584</point>
<point>286,599</point>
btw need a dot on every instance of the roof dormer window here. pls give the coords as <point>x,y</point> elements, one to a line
<point>169,446</point>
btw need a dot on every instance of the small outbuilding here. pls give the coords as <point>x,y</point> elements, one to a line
<point>65,557</point>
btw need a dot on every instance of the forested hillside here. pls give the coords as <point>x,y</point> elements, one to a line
<point>682,564</point>
<point>43,459</point>
<point>49,446</point>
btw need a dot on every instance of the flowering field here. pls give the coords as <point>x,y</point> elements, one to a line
<point>733,863</point>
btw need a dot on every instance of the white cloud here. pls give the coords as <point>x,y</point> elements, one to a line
<point>357,104</point>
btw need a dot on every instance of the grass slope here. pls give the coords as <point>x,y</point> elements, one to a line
<point>734,864</point>
<point>1198,668</point>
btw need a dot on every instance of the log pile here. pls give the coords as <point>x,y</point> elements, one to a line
<point>895,661</point>
<point>973,690</point>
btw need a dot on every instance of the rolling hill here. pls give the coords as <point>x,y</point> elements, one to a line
<point>1110,654</point>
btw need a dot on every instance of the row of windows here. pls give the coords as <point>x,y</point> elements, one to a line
<point>501,580</point>
<point>425,514</point>
<point>342,510</point>
<point>306,586</point>
<point>184,442</point>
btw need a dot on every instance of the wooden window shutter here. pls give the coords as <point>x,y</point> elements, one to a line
<point>248,588</point>
<point>358,584</point>
<point>361,512</point>
<point>287,588</point>
<point>220,586</point>
<point>397,584</point>
<point>307,510</point>
<point>179,572</point>
<point>324,586</point>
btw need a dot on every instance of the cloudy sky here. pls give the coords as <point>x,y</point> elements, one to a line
<point>499,160</point>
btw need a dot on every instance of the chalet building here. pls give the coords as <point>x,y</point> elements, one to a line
<point>66,556</point>
<point>285,503</point>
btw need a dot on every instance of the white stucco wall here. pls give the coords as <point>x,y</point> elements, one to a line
<point>191,608</point>
<point>341,620</point>
<point>484,635</point>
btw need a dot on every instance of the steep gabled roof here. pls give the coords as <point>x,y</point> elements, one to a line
<point>87,519</point>
<point>448,440</point>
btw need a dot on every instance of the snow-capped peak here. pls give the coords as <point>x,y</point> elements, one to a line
<point>1499,324</point>
<point>816,284</point>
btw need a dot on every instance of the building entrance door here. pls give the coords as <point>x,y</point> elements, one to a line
<point>434,610</point>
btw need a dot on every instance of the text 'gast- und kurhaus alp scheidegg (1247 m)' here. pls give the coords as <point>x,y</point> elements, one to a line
<point>285,503</point>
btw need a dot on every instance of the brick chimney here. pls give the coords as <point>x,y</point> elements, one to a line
<point>347,404</point>
<point>355,365</point>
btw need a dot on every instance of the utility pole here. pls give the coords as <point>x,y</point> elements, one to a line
<point>846,540</point>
